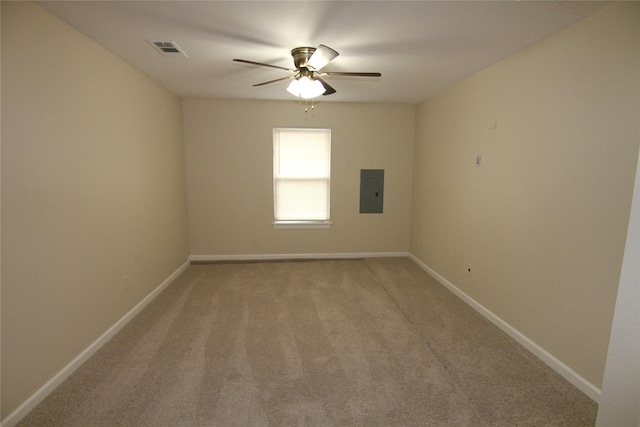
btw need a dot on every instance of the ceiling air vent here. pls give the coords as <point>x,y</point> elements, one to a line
<point>169,49</point>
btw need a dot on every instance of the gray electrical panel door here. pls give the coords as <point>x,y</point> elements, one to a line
<point>371,190</point>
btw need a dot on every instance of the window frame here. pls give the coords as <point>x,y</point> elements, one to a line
<point>301,223</point>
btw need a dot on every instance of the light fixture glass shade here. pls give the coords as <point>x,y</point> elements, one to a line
<point>306,88</point>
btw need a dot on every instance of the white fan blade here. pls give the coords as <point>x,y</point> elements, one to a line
<point>321,57</point>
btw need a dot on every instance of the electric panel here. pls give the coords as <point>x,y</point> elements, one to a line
<point>371,190</point>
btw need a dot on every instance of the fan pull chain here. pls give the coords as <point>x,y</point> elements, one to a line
<point>306,105</point>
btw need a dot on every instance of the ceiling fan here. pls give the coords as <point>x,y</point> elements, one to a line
<point>307,82</point>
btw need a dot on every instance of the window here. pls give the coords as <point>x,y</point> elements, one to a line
<point>301,177</point>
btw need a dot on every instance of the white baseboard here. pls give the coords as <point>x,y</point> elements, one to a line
<point>28,405</point>
<point>271,257</point>
<point>569,374</point>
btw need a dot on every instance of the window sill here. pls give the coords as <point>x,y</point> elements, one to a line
<point>279,225</point>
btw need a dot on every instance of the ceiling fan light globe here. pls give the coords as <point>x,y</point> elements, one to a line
<point>306,88</point>
<point>294,87</point>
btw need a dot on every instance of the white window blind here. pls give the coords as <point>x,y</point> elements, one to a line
<point>301,175</point>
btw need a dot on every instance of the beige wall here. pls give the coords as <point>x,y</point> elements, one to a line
<point>93,194</point>
<point>229,148</point>
<point>94,206</point>
<point>543,220</point>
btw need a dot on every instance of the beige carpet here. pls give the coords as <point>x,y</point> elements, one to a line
<point>373,342</point>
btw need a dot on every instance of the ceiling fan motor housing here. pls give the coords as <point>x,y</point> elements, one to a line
<point>301,56</point>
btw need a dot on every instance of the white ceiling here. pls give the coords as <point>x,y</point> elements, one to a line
<point>420,47</point>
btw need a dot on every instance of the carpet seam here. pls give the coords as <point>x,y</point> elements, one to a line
<point>441,359</point>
